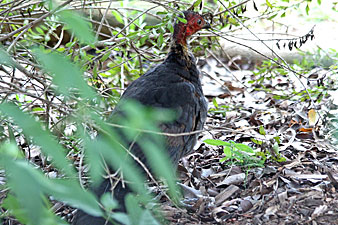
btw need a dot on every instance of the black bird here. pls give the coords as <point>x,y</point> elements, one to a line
<point>173,84</point>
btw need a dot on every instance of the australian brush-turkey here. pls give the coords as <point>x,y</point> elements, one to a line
<point>173,84</point>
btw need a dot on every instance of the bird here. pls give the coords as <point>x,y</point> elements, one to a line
<point>173,84</point>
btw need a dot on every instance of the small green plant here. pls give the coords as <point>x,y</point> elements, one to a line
<point>237,153</point>
<point>271,146</point>
<point>219,109</point>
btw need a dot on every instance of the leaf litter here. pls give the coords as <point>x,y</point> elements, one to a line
<point>297,184</point>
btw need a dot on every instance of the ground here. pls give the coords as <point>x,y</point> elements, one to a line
<point>300,190</point>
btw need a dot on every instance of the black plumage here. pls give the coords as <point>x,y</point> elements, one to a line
<point>173,84</point>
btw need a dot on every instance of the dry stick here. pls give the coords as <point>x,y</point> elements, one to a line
<point>9,10</point>
<point>156,132</point>
<point>176,134</point>
<point>166,6</point>
<point>232,7</point>
<point>34,22</point>
<point>125,27</point>
<point>103,18</point>
<point>144,167</point>
<point>141,54</point>
<point>16,39</point>
<point>26,5</point>
<point>132,21</point>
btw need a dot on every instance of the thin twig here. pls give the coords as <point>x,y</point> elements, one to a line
<point>34,22</point>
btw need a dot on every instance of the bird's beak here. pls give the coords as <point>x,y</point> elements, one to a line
<point>206,25</point>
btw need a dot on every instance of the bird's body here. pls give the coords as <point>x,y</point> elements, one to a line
<point>173,84</point>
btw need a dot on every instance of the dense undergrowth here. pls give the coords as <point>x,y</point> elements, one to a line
<point>60,81</point>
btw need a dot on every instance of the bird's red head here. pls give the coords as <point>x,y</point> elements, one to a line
<point>195,22</point>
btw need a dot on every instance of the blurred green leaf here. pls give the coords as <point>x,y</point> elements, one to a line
<point>216,142</point>
<point>22,181</point>
<point>197,3</point>
<point>78,25</point>
<point>261,130</point>
<point>108,202</point>
<point>10,150</point>
<point>28,183</point>
<point>268,3</point>
<point>118,16</point>
<point>227,152</point>
<point>41,137</point>
<point>243,147</point>
<point>121,218</point>
<point>147,219</point>
<point>182,20</point>
<point>65,74</point>
<point>5,59</point>
<point>11,203</point>
<point>133,208</point>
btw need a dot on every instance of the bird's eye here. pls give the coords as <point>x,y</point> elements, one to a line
<point>199,22</point>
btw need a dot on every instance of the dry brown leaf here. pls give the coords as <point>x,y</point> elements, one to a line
<point>225,194</point>
<point>312,117</point>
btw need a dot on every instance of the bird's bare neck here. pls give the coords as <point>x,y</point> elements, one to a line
<point>181,50</point>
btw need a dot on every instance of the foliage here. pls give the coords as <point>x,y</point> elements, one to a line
<point>66,73</point>
<point>237,153</point>
<point>27,199</point>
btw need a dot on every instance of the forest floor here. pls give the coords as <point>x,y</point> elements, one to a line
<point>298,182</point>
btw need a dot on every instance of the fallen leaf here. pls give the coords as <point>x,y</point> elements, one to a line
<point>312,117</point>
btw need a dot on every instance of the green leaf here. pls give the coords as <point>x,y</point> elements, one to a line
<point>122,218</point>
<point>12,204</point>
<point>70,191</point>
<point>258,142</point>
<point>29,185</point>
<point>261,130</point>
<point>108,202</point>
<point>182,20</point>
<point>41,137</point>
<point>214,102</point>
<point>66,75</point>
<point>117,16</point>
<point>244,148</point>
<point>109,147</point>
<point>277,139</point>
<point>133,208</point>
<point>151,144</point>
<point>227,151</point>
<point>197,3</point>
<point>78,25</point>
<point>170,27</point>
<point>232,21</point>
<point>147,219</point>
<point>268,3</point>
<point>21,182</point>
<point>160,40</point>
<point>216,142</point>
<point>5,59</point>
<point>39,30</point>
<point>307,9</point>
